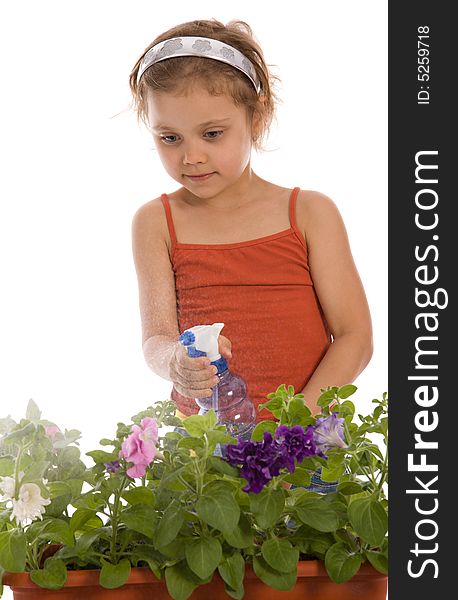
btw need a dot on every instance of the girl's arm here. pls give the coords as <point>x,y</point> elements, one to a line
<point>156,288</point>
<point>192,377</point>
<point>340,293</point>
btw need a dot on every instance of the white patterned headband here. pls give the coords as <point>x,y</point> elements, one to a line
<point>199,46</point>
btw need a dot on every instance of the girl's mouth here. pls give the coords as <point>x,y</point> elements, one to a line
<point>202,177</point>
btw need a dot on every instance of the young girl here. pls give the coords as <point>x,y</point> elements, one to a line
<point>272,263</point>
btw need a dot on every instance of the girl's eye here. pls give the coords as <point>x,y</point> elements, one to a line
<point>212,135</point>
<point>169,139</point>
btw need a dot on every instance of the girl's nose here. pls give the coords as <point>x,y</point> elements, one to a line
<point>194,154</point>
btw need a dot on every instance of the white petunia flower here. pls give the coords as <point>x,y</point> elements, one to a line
<point>7,485</point>
<point>30,503</point>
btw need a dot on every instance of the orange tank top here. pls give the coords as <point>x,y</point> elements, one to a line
<point>262,291</point>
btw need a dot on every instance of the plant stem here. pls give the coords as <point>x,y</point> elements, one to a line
<point>349,439</point>
<point>383,472</point>
<point>16,473</point>
<point>161,415</point>
<point>114,520</point>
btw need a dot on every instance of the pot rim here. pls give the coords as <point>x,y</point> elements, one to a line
<point>144,575</point>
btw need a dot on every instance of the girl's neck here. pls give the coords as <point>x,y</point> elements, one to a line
<point>248,186</point>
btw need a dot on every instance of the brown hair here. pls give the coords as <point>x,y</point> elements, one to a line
<point>178,73</point>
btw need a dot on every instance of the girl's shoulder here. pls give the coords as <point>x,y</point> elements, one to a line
<point>149,223</point>
<point>315,213</point>
<point>311,204</point>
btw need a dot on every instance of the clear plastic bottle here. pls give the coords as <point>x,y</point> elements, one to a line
<point>229,397</point>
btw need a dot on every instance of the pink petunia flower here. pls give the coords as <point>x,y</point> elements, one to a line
<point>51,431</point>
<point>139,447</point>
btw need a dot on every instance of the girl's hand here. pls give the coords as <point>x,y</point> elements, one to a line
<point>194,377</point>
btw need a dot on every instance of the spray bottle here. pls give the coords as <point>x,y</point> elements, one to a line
<point>229,397</point>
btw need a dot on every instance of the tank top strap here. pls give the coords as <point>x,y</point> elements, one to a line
<point>292,215</point>
<point>168,215</point>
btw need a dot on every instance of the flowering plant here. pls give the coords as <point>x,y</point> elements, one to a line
<point>193,500</point>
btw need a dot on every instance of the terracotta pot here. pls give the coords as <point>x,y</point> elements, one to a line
<point>312,583</point>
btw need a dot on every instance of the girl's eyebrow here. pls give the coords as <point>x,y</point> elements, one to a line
<point>201,125</point>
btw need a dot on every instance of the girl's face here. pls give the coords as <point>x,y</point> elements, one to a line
<point>204,141</point>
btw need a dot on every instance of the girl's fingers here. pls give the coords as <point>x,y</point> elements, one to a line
<point>193,381</point>
<point>185,382</point>
<point>224,346</point>
<point>193,393</point>
<point>201,375</point>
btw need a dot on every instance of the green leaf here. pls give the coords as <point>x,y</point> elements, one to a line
<point>369,520</point>
<point>107,442</point>
<point>346,390</point>
<point>83,519</point>
<point>280,555</point>
<point>58,488</point>
<point>32,413</point>
<point>378,560</point>
<point>86,540</point>
<point>332,474</point>
<point>19,434</point>
<point>217,506</point>
<point>114,576</point>
<point>169,525</point>
<point>346,408</point>
<point>197,425</point>
<point>7,424</point>
<point>90,500</point>
<point>299,477</point>
<point>6,466</point>
<point>175,549</point>
<point>215,463</point>
<point>203,555</point>
<point>267,507</point>
<point>140,495</point>
<point>340,563</point>
<point>56,530</point>
<point>179,581</point>
<point>141,518</point>
<point>307,538</point>
<point>219,437</point>
<point>69,455</point>
<point>348,488</point>
<point>12,551</point>
<point>374,449</point>
<point>232,570</point>
<point>258,432</point>
<point>317,514</point>
<point>148,554</point>
<point>297,410</point>
<point>100,456</point>
<point>325,399</point>
<point>190,443</point>
<point>172,480</point>
<point>53,576</point>
<point>241,536</point>
<point>275,403</point>
<point>273,578</point>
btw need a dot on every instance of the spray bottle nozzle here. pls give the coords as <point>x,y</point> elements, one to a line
<point>202,340</point>
<point>187,338</point>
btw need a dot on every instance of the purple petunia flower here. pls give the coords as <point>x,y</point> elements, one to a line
<point>261,461</point>
<point>113,466</point>
<point>329,433</point>
<point>298,443</point>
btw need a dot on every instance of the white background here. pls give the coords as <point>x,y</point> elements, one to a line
<point>76,166</point>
